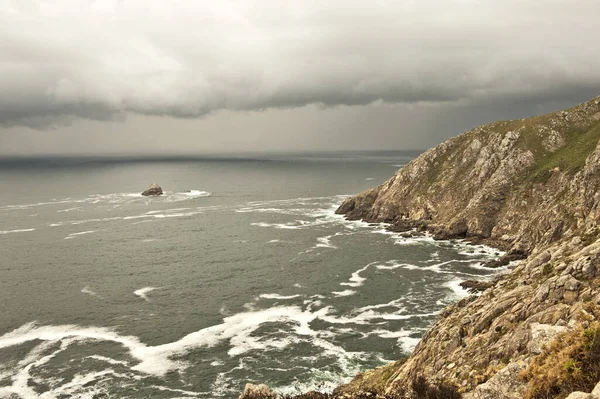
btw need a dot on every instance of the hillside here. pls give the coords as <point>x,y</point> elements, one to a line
<point>529,186</point>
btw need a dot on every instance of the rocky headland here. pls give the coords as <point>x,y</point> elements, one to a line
<point>530,187</point>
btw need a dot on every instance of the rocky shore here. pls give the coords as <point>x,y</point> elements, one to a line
<point>530,187</point>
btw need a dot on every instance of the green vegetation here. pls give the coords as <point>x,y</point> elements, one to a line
<point>570,363</point>
<point>548,269</point>
<point>571,157</point>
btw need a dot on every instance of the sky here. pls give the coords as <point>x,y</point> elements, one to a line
<point>119,77</point>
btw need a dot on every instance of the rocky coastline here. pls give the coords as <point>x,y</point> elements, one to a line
<point>530,187</point>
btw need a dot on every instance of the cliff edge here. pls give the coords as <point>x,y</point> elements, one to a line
<point>529,186</point>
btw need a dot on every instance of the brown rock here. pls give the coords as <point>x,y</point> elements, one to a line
<point>153,190</point>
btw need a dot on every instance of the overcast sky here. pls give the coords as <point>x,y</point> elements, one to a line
<point>152,77</point>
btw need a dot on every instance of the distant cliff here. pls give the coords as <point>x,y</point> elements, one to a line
<point>529,186</point>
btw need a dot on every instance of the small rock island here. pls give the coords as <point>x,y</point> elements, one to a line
<point>153,190</point>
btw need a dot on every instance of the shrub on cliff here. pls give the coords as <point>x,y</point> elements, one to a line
<point>571,363</point>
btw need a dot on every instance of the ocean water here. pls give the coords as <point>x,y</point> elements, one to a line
<point>240,273</point>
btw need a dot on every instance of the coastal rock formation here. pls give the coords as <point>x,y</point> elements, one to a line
<point>500,182</point>
<point>529,186</point>
<point>153,190</point>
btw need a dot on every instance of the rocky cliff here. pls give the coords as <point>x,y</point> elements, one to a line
<point>529,186</point>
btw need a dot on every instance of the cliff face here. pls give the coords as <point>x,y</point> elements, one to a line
<point>529,186</point>
<point>521,183</point>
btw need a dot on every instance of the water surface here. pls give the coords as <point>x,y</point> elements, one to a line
<point>240,273</point>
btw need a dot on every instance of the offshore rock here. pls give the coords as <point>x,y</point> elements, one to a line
<point>153,190</point>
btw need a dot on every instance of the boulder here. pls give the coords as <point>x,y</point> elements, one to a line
<point>503,385</point>
<point>153,190</point>
<point>596,391</point>
<point>475,286</point>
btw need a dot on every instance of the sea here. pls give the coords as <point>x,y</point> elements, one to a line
<point>240,273</point>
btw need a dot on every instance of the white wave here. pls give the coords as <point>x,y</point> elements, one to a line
<point>27,206</point>
<point>156,360</point>
<point>186,195</point>
<point>108,360</point>
<point>298,285</point>
<point>277,296</point>
<point>369,178</point>
<point>384,231</point>
<point>239,331</point>
<point>371,317</point>
<point>195,193</point>
<point>391,265</point>
<point>87,290</point>
<point>34,359</point>
<point>396,303</point>
<point>141,221</point>
<point>325,242</point>
<point>158,214</point>
<point>436,267</point>
<point>15,231</point>
<point>287,226</point>
<point>111,198</point>
<point>272,241</point>
<point>408,344</point>
<point>458,292</point>
<point>143,291</point>
<point>73,235</point>
<point>79,209</point>
<point>181,391</point>
<point>404,338</point>
<point>343,293</point>
<point>424,239</point>
<point>164,215</point>
<point>85,380</point>
<point>494,271</point>
<point>301,201</point>
<point>356,280</point>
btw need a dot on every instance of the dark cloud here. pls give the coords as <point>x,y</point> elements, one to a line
<point>104,59</point>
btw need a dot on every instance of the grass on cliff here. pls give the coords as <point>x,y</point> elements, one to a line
<point>570,363</point>
<point>579,144</point>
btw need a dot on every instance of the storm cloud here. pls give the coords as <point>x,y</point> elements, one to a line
<point>102,60</point>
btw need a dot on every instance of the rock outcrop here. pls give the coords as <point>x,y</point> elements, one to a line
<point>529,186</point>
<point>501,182</point>
<point>153,190</point>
